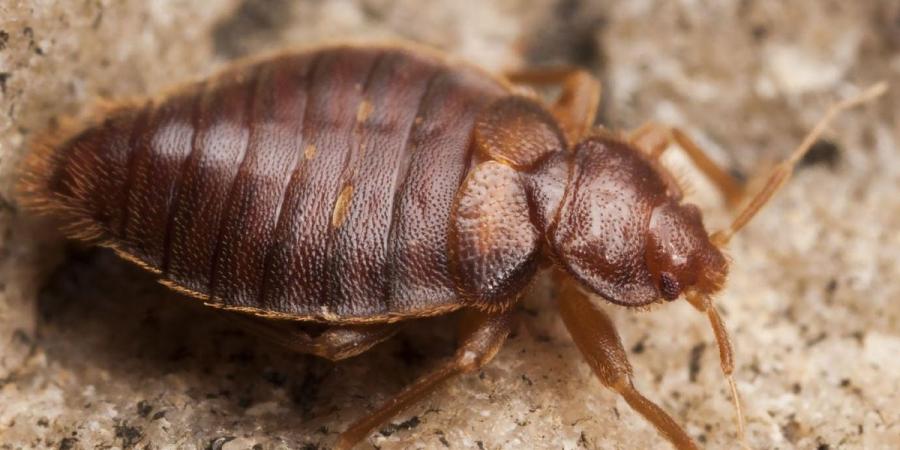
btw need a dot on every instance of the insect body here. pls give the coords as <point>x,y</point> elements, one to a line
<point>362,186</point>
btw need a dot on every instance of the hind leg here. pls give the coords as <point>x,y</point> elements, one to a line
<point>333,342</point>
<point>481,336</point>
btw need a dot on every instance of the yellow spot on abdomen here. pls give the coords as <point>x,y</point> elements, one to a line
<point>363,111</point>
<point>310,151</point>
<point>341,205</point>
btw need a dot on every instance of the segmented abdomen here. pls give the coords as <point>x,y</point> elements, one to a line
<point>313,185</point>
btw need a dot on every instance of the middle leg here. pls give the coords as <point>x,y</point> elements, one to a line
<point>578,101</point>
<point>654,138</point>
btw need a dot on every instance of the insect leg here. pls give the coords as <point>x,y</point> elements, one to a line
<point>482,335</point>
<point>654,138</point>
<point>578,101</point>
<point>596,337</point>
<point>334,343</point>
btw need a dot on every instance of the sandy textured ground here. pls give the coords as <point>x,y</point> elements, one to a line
<point>94,354</point>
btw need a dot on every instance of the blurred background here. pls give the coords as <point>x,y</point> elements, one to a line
<point>95,354</point>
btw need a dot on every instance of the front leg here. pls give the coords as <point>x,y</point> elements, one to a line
<point>481,336</point>
<point>596,337</point>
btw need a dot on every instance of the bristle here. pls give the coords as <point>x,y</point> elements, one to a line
<point>38,168</point>
<point>59,175</point>
<point>682,177</point>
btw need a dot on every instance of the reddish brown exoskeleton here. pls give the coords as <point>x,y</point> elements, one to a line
<point>363,186</point>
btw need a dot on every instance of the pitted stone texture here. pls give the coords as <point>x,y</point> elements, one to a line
<point>94,354</point>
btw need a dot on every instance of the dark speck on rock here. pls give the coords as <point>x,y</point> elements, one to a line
<point>582,440</point>
<point>21,336</point>
<point>158,415</point>
<point>823,152</point>
<point>831,286</point>
<point>639,348</point>
<point>759,32</point>
<point>405,425</point>
<point>3,77</point>
<point>68,443</point>
<point>4,39</point>
<point>791,430</point>
<point>823,447</point>
<point>694,363</point>
<point>817,339</point>
<point>219,442</point>
<point>28,32</point>
<point>97,20</point>
<point>527,380</point>
<point>129,435</point>
<point>144,408</point>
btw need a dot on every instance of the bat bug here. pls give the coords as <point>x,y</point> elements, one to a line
<point>357,187</point>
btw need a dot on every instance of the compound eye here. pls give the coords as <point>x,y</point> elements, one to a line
<point>669,286</point>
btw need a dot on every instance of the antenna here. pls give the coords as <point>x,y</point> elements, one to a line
<point>782,172</point>
<point>726,356</point>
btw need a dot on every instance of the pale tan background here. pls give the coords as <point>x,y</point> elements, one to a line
<point>94,354</point>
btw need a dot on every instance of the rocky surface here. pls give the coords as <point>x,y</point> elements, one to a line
<point>94,354</point>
